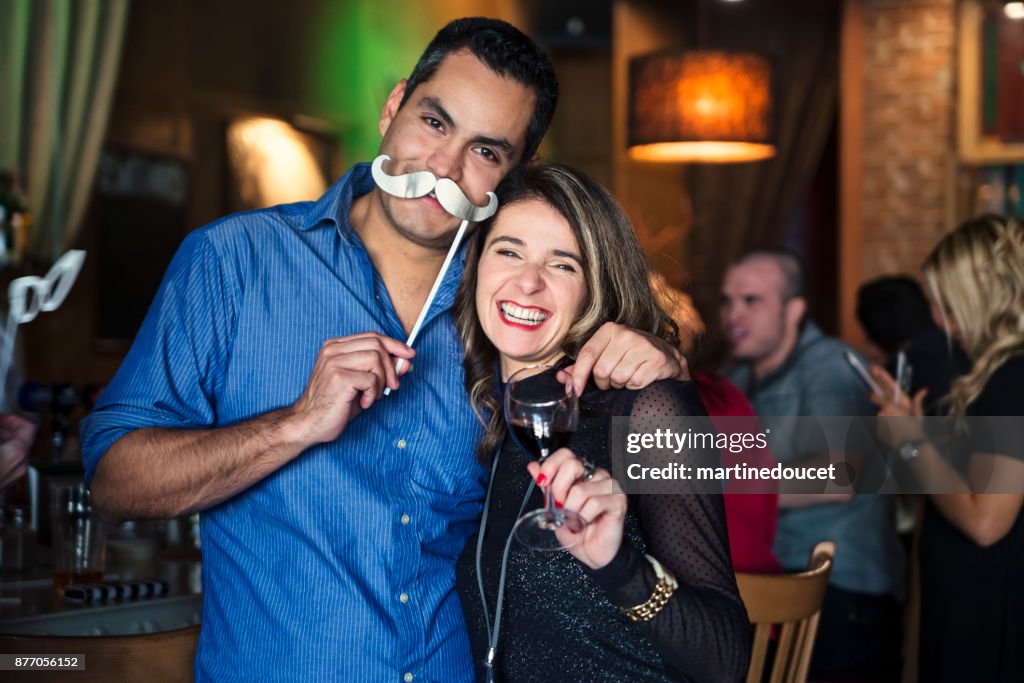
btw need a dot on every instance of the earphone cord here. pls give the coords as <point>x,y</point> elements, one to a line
<point>493,633</point>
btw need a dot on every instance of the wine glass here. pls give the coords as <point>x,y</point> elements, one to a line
<point>542,412</point>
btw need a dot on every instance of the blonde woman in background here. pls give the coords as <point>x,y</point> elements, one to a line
<point>972,544</point>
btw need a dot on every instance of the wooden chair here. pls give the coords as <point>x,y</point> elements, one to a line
<point>792,601</point>
<point>165,656</point>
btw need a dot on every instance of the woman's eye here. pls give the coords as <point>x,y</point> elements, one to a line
<point>567,267</point>
<point>507,252</point>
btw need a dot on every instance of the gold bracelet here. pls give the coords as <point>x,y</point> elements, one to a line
<point>663,591</point>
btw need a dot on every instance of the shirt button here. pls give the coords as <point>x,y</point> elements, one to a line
<point>404,597</point>
<point>406,519</point>
<point>401,443</point>
<point>407,678</point>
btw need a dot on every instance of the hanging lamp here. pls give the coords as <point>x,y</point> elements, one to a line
<point>703,106</point>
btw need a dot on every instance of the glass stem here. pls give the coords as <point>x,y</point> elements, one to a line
<point>552,510</point>
<point>549,496</point>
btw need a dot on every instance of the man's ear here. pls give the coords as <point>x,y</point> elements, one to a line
<point>391,105</point>
<point>796,308</point>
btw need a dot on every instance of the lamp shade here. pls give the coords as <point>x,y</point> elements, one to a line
<point>702,106</point>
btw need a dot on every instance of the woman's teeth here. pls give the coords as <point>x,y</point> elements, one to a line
<point>523,316</point>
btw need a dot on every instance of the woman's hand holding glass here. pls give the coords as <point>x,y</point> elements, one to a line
<point>599,500</point>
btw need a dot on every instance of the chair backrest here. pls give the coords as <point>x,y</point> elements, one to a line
<point>165,656</point>
<point>793,602</point>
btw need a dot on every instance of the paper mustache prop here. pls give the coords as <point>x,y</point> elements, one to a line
<point>420,183</point>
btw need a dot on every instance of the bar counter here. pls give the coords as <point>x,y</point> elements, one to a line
<point>30,604</point>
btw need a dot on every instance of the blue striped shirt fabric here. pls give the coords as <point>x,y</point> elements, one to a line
<point>340,566</point>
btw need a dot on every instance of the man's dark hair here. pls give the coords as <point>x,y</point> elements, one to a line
<point>893,310</point>
<point>506,51</point>
<point>794,275</point>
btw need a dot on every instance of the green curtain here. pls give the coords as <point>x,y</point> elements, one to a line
<point>358,51</point>
<point>58,65</point>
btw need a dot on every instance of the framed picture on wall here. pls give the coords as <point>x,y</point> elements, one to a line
<point>991,188</point>
<point>990,127</point>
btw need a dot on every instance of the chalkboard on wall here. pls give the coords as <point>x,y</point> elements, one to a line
<point>141,204</point>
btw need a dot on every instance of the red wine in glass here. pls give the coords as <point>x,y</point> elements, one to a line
<point>539,441</point>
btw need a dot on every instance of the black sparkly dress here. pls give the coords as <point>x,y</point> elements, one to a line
<point>561,621</point>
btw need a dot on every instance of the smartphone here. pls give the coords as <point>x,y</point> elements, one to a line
<point>862,371</point>
<point>904,373</point>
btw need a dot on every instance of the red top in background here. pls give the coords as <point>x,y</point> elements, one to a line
<point>750,517</point>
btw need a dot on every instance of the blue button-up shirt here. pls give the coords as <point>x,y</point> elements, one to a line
<point>340,566</point>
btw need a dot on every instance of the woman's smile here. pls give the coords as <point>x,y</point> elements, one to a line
<point>523,317</point>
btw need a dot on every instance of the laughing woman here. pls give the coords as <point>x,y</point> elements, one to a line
<point>558,260</point>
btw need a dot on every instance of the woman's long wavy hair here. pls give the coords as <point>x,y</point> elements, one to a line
<point>614,267</point>
<point>976,277</point>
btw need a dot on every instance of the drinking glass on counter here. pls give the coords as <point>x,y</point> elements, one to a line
<point>79,540</point>
<point>17,540</point>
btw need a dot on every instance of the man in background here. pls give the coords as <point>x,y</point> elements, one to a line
<point>787,367</point>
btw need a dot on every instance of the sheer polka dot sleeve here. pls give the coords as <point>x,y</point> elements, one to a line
<point>703,631</point>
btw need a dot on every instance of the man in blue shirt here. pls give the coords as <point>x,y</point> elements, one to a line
<point>333,516</point>
<point>787,367</point>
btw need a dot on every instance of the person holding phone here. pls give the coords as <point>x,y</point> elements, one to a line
<point>972,542</point>
<point>897,318</point>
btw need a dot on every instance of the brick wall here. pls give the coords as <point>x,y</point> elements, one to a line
<point>909,66</point>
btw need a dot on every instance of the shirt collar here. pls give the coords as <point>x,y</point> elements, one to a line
<point>809,335</point>
<point>335,204</point>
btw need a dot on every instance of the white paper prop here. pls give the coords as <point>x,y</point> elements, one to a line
<point>419,183</point>
<point>28,296</point>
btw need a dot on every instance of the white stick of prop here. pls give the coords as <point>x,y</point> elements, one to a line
<point>433,293</point>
